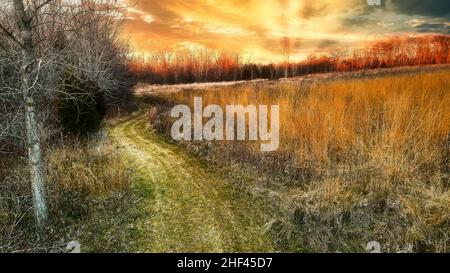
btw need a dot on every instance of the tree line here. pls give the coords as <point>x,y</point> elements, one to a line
<point>204,65</point>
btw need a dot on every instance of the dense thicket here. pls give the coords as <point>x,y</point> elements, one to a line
<point>80,38</point>
<point>81,105</point>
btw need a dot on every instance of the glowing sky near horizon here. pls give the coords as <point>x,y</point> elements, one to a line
<point>261,29</point>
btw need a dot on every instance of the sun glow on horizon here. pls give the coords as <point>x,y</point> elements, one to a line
<point>259,29</point>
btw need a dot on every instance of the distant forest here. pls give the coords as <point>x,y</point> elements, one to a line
<point>169,67</point>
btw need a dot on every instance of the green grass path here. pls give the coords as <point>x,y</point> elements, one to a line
<point>188,208</point>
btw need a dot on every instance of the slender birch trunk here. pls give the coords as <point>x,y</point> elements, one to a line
<point>32,130</point>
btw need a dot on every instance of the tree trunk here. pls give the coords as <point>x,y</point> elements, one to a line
<point>31,125</point>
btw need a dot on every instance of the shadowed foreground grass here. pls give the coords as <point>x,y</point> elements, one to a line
<point>90,200</point>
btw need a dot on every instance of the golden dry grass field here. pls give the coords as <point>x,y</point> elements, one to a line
<point>360,159</point>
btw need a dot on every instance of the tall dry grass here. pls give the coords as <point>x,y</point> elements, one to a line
<point>359,160</point>
<point>89,196</point>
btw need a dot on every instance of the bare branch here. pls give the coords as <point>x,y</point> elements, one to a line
<point>36,9</point>
<point>10,35</point>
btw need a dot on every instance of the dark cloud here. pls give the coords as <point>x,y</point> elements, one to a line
<point>433,27</point>
<point>326,43</point>
<point>433,8</point>
<point>356,20</point>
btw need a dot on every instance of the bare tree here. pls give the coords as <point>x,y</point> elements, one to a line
<point>29,73</point>
<point>287,51</point>
<point>39,41</point>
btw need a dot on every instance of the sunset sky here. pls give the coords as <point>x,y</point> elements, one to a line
<point>260,29</point>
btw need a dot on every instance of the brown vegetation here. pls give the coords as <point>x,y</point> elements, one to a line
<point>359,160</point>
<point>61,65</point>
<point>88,202</point>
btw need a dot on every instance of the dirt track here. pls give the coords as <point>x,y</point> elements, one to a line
<point>190,209</point>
